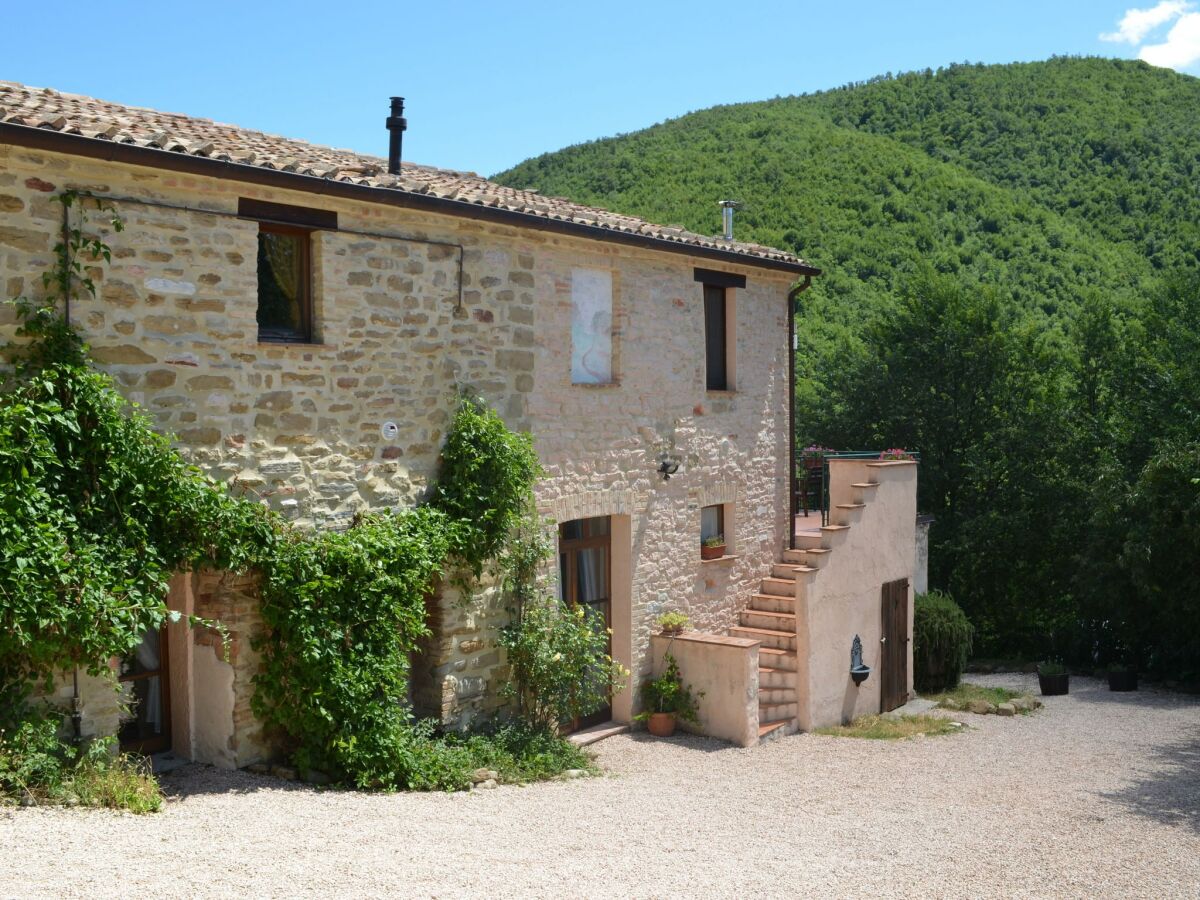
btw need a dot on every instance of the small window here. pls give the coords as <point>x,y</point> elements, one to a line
<point>716,362</point>
<point>591,326</point>
<point>712,522</point>
<point>284,284</point>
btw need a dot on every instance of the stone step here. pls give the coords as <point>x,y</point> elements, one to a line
<point>834,529</point>
<point>776,621</point>
<point>790,571</point>
<point>774,730</point>
<point>770,638</point>
<point>772,603</point>
<point>852,506</point>
<point>780,587</point>
<point>813,557</point>
<point>863,485</point>
<point>807,539</point>
<point>774,659</point>
<point>775,695</point>
<point>770,679</point>
<point>777,712</point>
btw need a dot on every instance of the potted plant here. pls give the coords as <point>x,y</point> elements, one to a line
<point>1053,679</point>
<point>1122,678</point>
<point>713,547</point>
<point>666,700</point>
<point>895,454</point>
<point>673,623</point>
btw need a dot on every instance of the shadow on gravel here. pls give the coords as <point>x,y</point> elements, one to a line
<point>1171,793</point>
<point>687,741</point>
<point>196,780</point>
<point>1148,697</point>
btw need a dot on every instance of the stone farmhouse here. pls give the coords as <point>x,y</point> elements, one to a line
<point>302,318</point>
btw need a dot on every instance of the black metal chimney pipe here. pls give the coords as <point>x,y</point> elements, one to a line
<point>396,125</point>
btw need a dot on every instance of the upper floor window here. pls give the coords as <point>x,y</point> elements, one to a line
<point>591,326</point>
<point>719,321</point>
<point>285,268</point>
<point>284,284</point>
<point>716,362</point>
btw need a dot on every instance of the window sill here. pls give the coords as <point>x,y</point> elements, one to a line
<point>296,345</point>
<point>595,385</point>
<point>728,557</point>
<point>728,392</point>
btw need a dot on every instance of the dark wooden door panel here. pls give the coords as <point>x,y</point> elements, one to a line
<point>893,657</point>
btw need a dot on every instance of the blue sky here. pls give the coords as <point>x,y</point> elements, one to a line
<point>490,84</point>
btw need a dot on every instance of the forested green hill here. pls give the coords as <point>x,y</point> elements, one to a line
<point>1012,286</point>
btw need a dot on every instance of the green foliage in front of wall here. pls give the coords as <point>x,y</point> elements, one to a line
<point>97,511</point>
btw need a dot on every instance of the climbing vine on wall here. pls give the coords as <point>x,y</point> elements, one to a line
<point>97,511</point>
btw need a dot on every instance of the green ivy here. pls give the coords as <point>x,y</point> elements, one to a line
<point>98,511</point>
<point>485,482</point>
<point>343,612</point>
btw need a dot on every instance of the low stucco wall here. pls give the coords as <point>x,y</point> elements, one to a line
<point>725,669</point>
<point>844,598</point>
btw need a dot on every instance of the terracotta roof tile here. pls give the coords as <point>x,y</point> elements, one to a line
<point>171,132</point>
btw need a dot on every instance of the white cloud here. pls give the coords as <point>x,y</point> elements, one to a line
<point>1137,23</point>
<point>1181,48</point>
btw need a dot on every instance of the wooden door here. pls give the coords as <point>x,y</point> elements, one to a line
<point>893,655</point>
<point>585,575</point>
<point>147,691</point>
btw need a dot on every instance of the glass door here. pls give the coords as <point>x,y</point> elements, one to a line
<point>146,724</point>
<point>584,561</point>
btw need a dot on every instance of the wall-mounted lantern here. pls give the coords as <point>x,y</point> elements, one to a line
<point>668,466</point>
<point>858,671</point>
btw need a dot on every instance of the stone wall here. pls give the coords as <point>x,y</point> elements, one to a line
<point>398,336</point>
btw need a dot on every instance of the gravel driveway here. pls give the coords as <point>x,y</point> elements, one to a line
<point>1097,795</point>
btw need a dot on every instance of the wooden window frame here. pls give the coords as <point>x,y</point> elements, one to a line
<point>306,333</point>
<point>726,381</point>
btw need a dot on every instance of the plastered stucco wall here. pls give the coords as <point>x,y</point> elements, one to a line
<point>299,425</point>
<point>843,598</point>
<point>723,673</point>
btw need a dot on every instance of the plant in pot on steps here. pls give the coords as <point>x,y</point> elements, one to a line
<point>713,547</point>
<point>1053,679</point>
<point>666,700</point>
<point>673,623</point>
<point>1122,677</point>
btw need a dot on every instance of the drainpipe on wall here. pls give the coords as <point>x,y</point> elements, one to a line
<point>793,296</point>
<point>76,709</point>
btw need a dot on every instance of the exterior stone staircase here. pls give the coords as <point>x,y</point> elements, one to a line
<point>770,616</point>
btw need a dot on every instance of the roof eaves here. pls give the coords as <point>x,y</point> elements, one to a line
<point>123,148</point>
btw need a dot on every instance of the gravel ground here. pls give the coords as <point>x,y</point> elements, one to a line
<point>1097,795</point>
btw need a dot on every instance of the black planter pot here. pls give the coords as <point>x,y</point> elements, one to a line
<point>1055,685</point>
<point>1122,681</point>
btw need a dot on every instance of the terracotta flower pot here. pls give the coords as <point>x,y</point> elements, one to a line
<point>661,724</point>
<point>712,552</point>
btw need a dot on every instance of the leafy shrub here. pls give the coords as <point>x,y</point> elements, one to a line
<point>941,642</point>
<point>561,669</point>
<point>343,611</point>
<point>668,694</point>
<point>673,622</point>
<point>37,767</point>
<point>484,482</point>
<point>1051,668</point>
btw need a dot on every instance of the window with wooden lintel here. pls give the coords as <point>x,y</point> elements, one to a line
<point>285,270</point>
<point>719,333</point>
